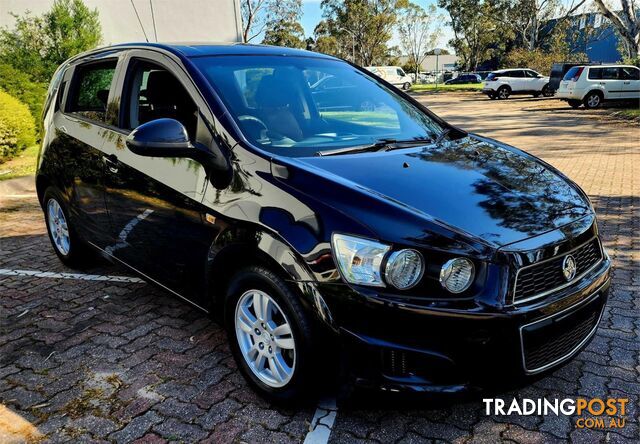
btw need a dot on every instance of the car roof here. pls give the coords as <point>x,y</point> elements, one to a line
<point>611,65</point>
<point>202,49</point>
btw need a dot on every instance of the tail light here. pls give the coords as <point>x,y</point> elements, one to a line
<point>577,75</point>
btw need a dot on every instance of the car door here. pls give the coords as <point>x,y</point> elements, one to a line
<point>159,225</point>
<point>630,77</point>
<point>534,81</point>
<point>86,89</point>
<point>519,81</point>
<point>609,81</point>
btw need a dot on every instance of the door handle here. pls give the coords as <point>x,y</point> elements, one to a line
<point>111,161</point>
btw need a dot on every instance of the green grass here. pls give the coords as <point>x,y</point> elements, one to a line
<point>24,164</point>
<point>631,113</point>
<point>443,87</point>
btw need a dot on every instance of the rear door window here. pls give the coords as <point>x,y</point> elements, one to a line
<point>574,71</point>
<point>92,84</point>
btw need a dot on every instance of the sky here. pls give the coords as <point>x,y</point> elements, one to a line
<point>312,14</point>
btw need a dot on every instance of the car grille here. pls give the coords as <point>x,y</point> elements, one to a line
<point>551,340</point>
<point>539,279</point>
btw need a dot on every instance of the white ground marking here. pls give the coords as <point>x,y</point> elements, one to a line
<point>322,422</point>
<point>76,276</point>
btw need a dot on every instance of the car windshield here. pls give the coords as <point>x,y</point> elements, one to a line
<point>297,106</point>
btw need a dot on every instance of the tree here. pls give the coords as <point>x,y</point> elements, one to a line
<point>283,24</point>
<point>38,45</point>
<point>534,21</point>
<point>253,18</point>
<point>417,33</point>
<point>478,34</point>
<point>360,29</point>
<point>626,20</point>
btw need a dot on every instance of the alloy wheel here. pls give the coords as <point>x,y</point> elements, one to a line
<point>58,227</point>
<point>265,338</point>
<point>593,101</point>
<point>503,93</point>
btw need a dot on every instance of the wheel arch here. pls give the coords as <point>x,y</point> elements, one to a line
<point>42,183</point>
<point>598,91</point>
<point>238,248</point>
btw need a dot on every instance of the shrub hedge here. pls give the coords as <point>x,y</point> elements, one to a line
<point>17,127</point>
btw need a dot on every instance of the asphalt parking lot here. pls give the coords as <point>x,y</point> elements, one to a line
<point>98,356</point>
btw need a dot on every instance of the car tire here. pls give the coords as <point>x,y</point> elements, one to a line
<point>66,243</point>
<point>406,86</point>
<point>503,92</point>
<point>546,91</point>
<point>280,374</point>
<point>593,100</point>
<point>536,95</point>
<point>492,96</point>
<point>575,104</point>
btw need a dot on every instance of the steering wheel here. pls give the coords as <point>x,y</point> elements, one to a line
<point>254,126</point>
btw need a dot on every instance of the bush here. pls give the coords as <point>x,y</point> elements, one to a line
<point>538,60</point>
<point>20,86</point>
<point>17,127</point>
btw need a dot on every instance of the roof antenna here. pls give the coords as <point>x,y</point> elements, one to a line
<point>153,18</point>
<point>140,22</point>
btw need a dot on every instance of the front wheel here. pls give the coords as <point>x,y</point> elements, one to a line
<point>546,91</point>
<point>269,334</point>
<point>62,234</point>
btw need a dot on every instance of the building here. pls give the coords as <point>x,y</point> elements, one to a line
<point>133,20</point>
<point>594,35</point>
<point>445,62</point>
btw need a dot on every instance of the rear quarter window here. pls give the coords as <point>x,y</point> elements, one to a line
<point>572,73</point>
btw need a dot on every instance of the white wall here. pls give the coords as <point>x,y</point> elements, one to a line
<point>176,20</point>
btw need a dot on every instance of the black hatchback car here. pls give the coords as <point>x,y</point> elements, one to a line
<point>320,228</point>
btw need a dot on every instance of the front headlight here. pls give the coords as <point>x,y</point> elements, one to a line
<point>359,259</point>
<point>457,275</point>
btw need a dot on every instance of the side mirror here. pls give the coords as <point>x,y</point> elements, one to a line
<point>160,138</point>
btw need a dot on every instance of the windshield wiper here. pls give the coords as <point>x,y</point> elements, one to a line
<point>379,145</point>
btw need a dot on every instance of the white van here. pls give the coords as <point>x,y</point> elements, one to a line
<point>392,74</point>
<point>592,85</point>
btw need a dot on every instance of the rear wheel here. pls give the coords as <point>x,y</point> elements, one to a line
<point>406,86</point>
<point>575,104</point>
<point>546,91</point>
<point>593,100</point>
<point>504,92</point>
<point>67,245</point>
<point>269,334</point>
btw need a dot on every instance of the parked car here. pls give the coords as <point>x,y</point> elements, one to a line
<point>394,75</point>
<point>383,241</point>
<point>464,79</point>
<point>558,71</point>
<point>592,85</point>
<point>505,82</point>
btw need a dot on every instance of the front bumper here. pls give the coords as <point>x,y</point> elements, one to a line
<point>464,345</point>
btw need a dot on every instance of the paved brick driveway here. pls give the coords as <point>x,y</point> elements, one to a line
<point>84,360</point>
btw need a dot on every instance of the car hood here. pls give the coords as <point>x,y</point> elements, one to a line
<point>483,188</point>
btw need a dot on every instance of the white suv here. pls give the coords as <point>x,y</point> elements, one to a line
<point>592,85</point>
<point>505,82</point>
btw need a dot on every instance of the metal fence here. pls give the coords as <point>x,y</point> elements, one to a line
<point>441,76</point>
